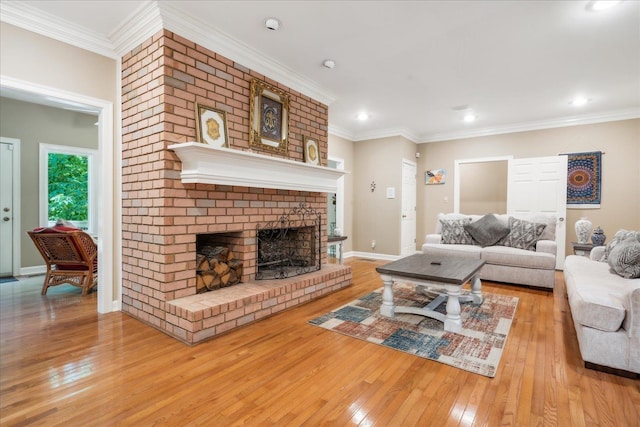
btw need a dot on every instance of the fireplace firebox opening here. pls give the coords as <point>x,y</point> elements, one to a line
<point>289,246</point>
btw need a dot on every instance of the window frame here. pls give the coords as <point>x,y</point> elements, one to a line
<point>43,196</point>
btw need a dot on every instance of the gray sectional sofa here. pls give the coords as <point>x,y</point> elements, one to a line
<point>531,267</point>
<point>606,311</point>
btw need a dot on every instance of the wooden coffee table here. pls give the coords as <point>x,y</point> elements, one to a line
<point>448,273</point>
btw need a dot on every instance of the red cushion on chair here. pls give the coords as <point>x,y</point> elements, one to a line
<point>57,228</point>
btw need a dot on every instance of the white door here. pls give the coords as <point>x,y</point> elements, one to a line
<point>408,222</point>
<point>539,185</point>
<point>6,208</point>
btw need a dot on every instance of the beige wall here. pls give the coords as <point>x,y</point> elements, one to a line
<point>37,59</point>
<point>483,187</point>
<point>34,124</point>
<point>376,217</point>
<point>40,61</point>
<point>344,149</point>
<point>620,140</point>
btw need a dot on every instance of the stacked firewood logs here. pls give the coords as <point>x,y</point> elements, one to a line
<point>216,267</point>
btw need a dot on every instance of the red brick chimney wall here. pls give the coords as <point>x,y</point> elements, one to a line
<point>162,80</point>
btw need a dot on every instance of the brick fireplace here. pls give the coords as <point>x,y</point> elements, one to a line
<point>164,211</point>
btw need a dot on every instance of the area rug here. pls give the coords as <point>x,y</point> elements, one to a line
<point>8,279</point>
<point>477,348</point>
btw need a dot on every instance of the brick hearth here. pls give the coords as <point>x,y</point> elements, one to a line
<point>162,80</point>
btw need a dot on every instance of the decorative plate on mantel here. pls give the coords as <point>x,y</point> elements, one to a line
<point>311,152</point>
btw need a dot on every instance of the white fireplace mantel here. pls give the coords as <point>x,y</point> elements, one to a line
<point>205,164</point>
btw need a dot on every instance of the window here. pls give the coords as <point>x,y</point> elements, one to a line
<point>66,186</point>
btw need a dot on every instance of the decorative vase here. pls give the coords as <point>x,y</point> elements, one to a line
<point>337,232</point>
<point>598,237</point>
<point>583,230</point>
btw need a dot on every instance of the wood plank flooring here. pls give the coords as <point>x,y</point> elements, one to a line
<point>63,364</point>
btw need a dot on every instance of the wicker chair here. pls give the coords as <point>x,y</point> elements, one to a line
<point>71,256</point>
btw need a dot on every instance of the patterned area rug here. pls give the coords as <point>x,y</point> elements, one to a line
<point>477,348</point>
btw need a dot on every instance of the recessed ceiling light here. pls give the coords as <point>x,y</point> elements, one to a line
<point>579,101</point>
<point>598,5</point>
<point>363,116</point>
<point>272,24</point>
<point>468,118</point>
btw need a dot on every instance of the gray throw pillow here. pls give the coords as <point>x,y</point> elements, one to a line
<point>620,236</point>
<point>453,232</point>
<point>522,234</point>
<point>624,259</point>
<point>487,231</point>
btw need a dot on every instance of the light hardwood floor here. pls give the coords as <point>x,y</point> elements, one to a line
<point>63,364</point>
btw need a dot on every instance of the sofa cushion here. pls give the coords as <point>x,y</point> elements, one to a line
<point>500,255</point>
<point>487,231</point>
<point>453,232</point>
<point>624,259</point>
<point>522,234</point>
<point>597,296</point>
<point>466,251</point>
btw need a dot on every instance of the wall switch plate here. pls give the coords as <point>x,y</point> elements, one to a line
<point>391,192</point>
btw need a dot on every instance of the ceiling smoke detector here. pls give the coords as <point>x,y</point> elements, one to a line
<point>272,24</point>
<point>329,63</point>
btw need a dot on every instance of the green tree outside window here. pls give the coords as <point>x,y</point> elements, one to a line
<point>68,187</point>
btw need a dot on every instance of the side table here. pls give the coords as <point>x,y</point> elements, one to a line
<point>337,240</point>
<point>583,249</point>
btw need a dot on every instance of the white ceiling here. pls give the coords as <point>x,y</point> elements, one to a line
<point>410,64</point>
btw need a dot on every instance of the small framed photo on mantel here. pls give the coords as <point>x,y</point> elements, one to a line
<point>311,152</point>
<point>211,126</point>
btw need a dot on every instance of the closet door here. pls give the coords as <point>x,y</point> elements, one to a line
<point>539,185</point>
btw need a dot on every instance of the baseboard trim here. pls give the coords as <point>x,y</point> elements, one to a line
<point>370,255</point>
<point>613,371</point>
<point>33,271</point>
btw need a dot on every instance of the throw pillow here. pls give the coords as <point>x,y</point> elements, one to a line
<point>453,231</point>
<point>487,231</point>
<point>620,236</point>
<point>624,259</point>
<point>522,234</point>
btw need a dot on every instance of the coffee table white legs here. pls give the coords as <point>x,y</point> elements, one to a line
<point>386,309</point>
<point>453,321</point>
<point>476,290</point>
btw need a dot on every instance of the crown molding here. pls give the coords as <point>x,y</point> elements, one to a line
<point>175,20</point>
<point>375,134</point>
<point>341,133</point>
<point>143,23</point>
<point>607,116</point>
<point>35,20</point>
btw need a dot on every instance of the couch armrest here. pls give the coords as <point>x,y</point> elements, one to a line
<point>547,247</point>
<point>632,320</point>
<point>596,253</point>
<point>433,238</point>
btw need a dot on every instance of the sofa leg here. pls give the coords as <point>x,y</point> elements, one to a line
<point>613,371</point>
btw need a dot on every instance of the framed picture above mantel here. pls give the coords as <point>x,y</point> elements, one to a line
<point>269,117</point>
<point>211,126</point>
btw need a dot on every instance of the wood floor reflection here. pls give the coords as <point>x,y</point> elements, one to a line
<point>61,363</point>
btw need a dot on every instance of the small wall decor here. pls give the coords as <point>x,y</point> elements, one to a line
<point>211,126</point>
<point>311,152</point>
<point>269,117</point>
<point>434,176</point>
<point>373,186</point>
<point>584,173</point>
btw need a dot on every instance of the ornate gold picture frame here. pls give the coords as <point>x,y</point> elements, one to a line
<point>269,117</point>
<point>211,126</point>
